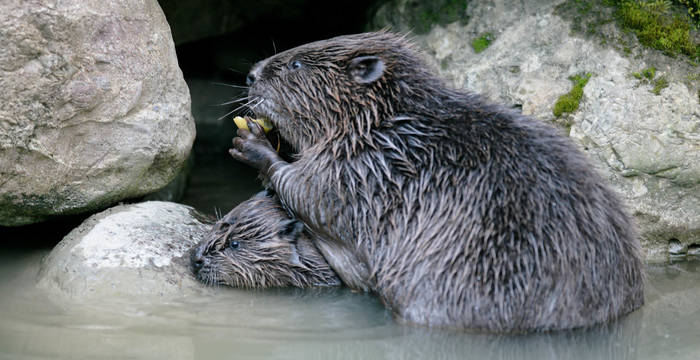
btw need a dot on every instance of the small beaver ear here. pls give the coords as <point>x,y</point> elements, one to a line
<point>269,192</point>
<point>291,229</point>
<point>366,69</point>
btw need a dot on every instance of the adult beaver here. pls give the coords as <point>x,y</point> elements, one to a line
<point>457,212</point>
<point>257,245</point>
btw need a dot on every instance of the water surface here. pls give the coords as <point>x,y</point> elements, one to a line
<point>315,324</point>
<point>330,323</point>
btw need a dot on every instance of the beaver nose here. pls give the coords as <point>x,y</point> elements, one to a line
<point>250,79</point>
<point>197,260</point>
<point>255,72</point>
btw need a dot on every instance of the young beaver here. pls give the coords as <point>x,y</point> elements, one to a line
<point>257,245</point>
<point>456,212</point>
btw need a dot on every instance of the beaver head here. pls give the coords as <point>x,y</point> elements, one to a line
<point>341,88</point>
<point>257,245</point>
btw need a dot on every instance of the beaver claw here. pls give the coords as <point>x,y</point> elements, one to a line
<point>253,148</point>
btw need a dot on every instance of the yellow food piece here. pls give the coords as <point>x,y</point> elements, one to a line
<point>243,124</point>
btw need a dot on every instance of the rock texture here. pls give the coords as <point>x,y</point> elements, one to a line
<point>647,145</point>
<point>127,250</point>
<point>93,107</point>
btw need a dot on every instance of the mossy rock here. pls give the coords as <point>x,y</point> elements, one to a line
<point>569,102</point>
<point>658,27</point>
<point>482,42</point>
<point>418,16</point>
<point>648,76</point>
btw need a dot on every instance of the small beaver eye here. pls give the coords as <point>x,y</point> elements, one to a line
<point>294,65</point>
<point>234,245</point>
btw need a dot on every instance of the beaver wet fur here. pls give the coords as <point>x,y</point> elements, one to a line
<point>257,245</point>
<point>458,213</point>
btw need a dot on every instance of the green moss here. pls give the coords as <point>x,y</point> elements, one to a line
<point>666,25</point>
<point>656,26</point>
<point>482,42</point>
<point>569,102</point>
<point>649,73</point>
<point>659,84</point>
<point>648,76</point>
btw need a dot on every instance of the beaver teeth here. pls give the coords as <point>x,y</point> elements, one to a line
<point>243,124</point>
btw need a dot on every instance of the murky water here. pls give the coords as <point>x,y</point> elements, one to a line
<point>308,324</point>
<point>316,324</point>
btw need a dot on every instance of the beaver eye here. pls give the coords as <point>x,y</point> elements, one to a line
<point>234,245</point>
<point>295,65</point>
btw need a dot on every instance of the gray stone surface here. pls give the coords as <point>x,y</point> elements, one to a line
<point>93,107</point>
<point>175,190</point>
<point>127,251</point>
<point>647,145</point>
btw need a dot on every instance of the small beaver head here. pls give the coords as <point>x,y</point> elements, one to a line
<point>257,245</point>
<point>340,88</point>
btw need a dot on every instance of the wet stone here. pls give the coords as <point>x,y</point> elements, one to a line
<point>675,247</point>
<point>125,251</point>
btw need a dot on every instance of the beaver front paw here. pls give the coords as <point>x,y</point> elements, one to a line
<point>253,148</point>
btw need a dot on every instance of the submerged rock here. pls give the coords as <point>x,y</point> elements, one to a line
<point>93,108</point>
<point>127,250</point>
<point>646,144</point>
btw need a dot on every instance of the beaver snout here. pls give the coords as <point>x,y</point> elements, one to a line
<point>255,72</point>
<point>197,259</point>
<point>250,79</point>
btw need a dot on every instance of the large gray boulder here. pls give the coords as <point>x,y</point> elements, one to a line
<point>646,145</point>
<point>127,251</point>
<point>93,107</point>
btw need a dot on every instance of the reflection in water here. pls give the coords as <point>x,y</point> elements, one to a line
<point>330,323</point>
<point>619,341</point>
<point>615,341</point>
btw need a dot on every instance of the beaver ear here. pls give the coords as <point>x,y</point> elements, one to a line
<point>269,192</point>
<point>366,69</point>
<point>291,229</point>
